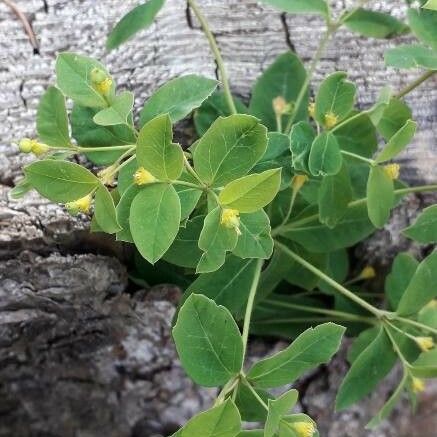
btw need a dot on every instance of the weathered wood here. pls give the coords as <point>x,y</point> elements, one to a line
<point>80,354</point>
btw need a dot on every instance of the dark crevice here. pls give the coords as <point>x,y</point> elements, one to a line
<point>45,6</point>
<point>189,17</point>
<point>21,88</point>
<point>287,33</point>
<point>303,386</point>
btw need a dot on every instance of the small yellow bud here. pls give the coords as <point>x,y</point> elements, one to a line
<point>280,106</point>
<point>312,109</point>
<point>392,171</point>
<point>143,177</point>
<point>97,75</point>
<point>105,86</point>
<point>425,343</point>
<point>39,148</point>
<point>367,273</point>
<point>25,145</point>
<point>80,205</point>
<point>417,385</point>
<point>230,219</point>
<point>298,182</point>
<point>303,429</point>
<point>107,175</point>
<point>330,120</point>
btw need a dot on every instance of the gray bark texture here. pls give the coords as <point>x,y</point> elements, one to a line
<point>84,354</point>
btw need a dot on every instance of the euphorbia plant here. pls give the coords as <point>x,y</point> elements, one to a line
<point>257,213</point>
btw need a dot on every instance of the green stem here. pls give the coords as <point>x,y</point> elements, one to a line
<point>318,55</point>
<point>306,220</point>
<point>344,291</point>
<point>290,208</point>
<point>217,55</point>
<point>96,149</point>
<point>425,76</point>
<point>405,363</point>
<point>192,172</point>
<point>359,157</point>
<point>250,303</point>
<point>279,123</point>
<point>416,324</point>
<point>253,391</point>
<point>188,184</point>
<point>327,312</point>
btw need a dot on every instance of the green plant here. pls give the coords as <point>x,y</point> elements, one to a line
<point>269,194</point>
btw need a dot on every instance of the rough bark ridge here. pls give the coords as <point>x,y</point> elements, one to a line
<point>80,353</point>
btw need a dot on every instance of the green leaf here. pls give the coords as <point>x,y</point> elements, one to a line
<point>395,115</point>
<point>215,240</point>
<point>361,343</point>
<point>184,251</point>
<point>317,237</point>
<point>426,365</point>
<point>118,112</point>
<point>313,347</point>
<point>411,56</point>
<point>358,136</point>
<point>368,369</point>
<point>403,268</point>
<point>430,4</point>
<point>252,433</point>
<point>423,23</point>
<point>277,409</point>
<point>123,213</point>
<point>375,24</point>
<point>229,285</point>
<point>424,229</point>
<point>208,341</point>
<point>213,107</point>
<point>189,196</point>
<point>302,137</point>
<point>336,97</point>
<point>325,156</point>
<point>52,119</point>
<point>377,110</point>
<point>178,97</point>
<point>73,74</point>
<point>21,188</point>
<point>60,181</point>
<point>125,176</point>
<point>255,240</point>
<point>300,6</point>
<point>335,194</point>
<point>156,151</point>
<point>135,20</point>
<point>398,142</point>
<point>389,405</point>
<point>89,134</point>
<point>251,193</point>
<point>380,196</point>
<point>249,406</point>
<point>284,78</point>
<point>221,421</point>
<point>104,211</point>
<point>229,149</point>
<point>421,288</point>
<point>154,219</point>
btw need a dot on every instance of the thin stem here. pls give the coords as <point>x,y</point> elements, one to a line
<point>250,303</point>
<point>290,208</point>
<point>192,172</point>
<point>396,347</point>
<point>306,220</point>
<point>425,76</point>
<point>188,184</point>
<point>344,291</point>
<point>416,324</point>
<point>320,50</point>
<point>253,391</point>
<point>359,157</point>
<point>217,55</point>
<point>279,123</point>
<point>99,149</point>
<point>327,312</point>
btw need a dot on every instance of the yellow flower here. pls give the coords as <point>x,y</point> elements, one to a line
<point>97,75</point>
<point>107,175</point>
<point>80,205</point>
<point>298,182</point>
<point>230,219</point>
<point>104,86</point>
<point>425,343</point>
<point>312,109</point>
<point>330,120</point>
<point>368,273</point>
<point>392,171</point>
<point>304,429</point>
<point>25,145</point>
<point>39,149</point>
<point>280,106</point>
<point>417,385</point>
<point>143,177</point>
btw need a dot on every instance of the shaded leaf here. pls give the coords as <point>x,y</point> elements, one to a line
<point>104,211</point>
<point>424,229</point>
